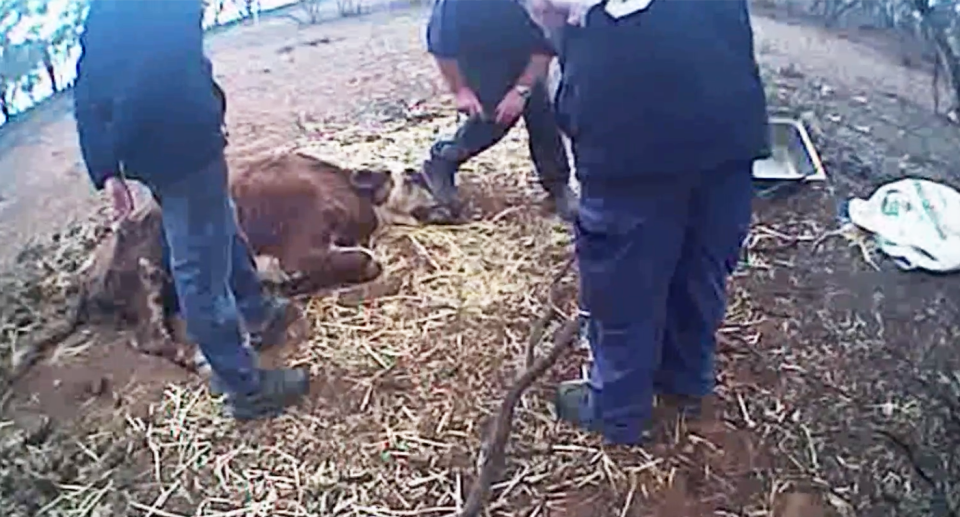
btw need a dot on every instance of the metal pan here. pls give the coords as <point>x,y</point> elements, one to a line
<point>794,158</point>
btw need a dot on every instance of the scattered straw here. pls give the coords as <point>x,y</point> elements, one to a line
<point>407,416</point>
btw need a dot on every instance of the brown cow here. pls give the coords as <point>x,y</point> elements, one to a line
<point>315,218</point>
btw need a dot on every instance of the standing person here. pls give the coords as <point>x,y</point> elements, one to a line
<point>145,109</point>
<point>494,59</point>
<point>666,110</point>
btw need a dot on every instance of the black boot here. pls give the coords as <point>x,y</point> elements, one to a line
<point>279,389</point>
<point>438,173</point>
<point>272,332</point>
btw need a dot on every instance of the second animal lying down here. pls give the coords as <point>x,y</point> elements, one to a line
<point>315,218</point>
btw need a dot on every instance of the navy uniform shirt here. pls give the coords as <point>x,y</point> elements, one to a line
<point>491,40</point>
<point>143,98</point>
<point>671,89</point>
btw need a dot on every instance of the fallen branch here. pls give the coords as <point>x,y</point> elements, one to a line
<point>493,451</point>
<point>550,312</point>
<point>940,500</point>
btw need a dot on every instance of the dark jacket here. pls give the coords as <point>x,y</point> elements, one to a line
<point>671,89</point>
<point>491,40</point>
<point>143,99</point>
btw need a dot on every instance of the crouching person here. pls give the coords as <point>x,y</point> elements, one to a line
<point>666,110</point>
<point>144,105</point>
<point>494,58</point>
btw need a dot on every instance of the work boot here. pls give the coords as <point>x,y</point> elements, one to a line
<point>279,389</point>
<point>574,405</point>
<point>280,312</point>
<point>564,201</point>
<point>438,174</point>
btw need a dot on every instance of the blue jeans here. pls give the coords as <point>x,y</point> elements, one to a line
<point>654,258</point>
<point>216,280</point>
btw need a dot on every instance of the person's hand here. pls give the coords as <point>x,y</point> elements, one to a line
<point>468,103</point>
<point>510,107</point>
<point>121,200</point>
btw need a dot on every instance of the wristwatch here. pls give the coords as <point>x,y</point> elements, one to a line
<point>523,91</point>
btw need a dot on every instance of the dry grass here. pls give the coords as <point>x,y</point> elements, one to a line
<point>406,387</point>
<point>37,296</point>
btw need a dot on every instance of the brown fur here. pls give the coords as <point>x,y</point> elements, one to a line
<point>314,217</point>
<point>124,282</point>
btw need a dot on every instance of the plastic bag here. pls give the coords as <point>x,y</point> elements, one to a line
<point>916,222</point>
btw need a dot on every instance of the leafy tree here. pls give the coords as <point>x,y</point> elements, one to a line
<point>14,58</point>
<point>247,8</point>
<point>18,67</point>
<point>216,7</point>
<point>57,45</point>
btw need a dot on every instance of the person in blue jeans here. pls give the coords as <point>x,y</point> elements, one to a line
<point>146,109</point>
<point>666,110</point>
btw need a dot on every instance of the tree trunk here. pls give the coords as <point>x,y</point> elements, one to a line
<point>948,56</point>
<point>4,107</point>
<point>51,72</point>
<point>951,63</point>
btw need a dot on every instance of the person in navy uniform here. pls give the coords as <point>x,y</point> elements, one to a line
<point>666,111</point>
<point>494,58</point>
<point>147,108</point>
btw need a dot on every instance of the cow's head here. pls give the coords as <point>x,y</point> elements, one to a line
<point>400,196</point>
<point>374,185</point>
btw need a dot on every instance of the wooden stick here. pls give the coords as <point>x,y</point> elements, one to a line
<point>493,450</point>
<point>550,312</point>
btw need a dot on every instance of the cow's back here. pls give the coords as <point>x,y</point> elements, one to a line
<point>290,198</point>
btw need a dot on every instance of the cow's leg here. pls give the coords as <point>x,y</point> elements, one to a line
<point>354,264</point>
<point>333,266</point>
<point>154,337</point>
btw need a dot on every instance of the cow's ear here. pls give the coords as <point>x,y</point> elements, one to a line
<point>374,185</point>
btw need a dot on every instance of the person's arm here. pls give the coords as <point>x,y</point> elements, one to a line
<point>541,53</point>
<point>93,95</point>
<point>450,72</point>
<point>443,43</point>
<point>536,70</point>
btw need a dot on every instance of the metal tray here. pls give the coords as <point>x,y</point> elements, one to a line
<point>794,158</point>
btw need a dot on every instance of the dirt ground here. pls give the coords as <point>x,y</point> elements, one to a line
<point>837,391</point>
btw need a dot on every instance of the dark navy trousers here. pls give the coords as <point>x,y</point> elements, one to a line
<point>654,257</point>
